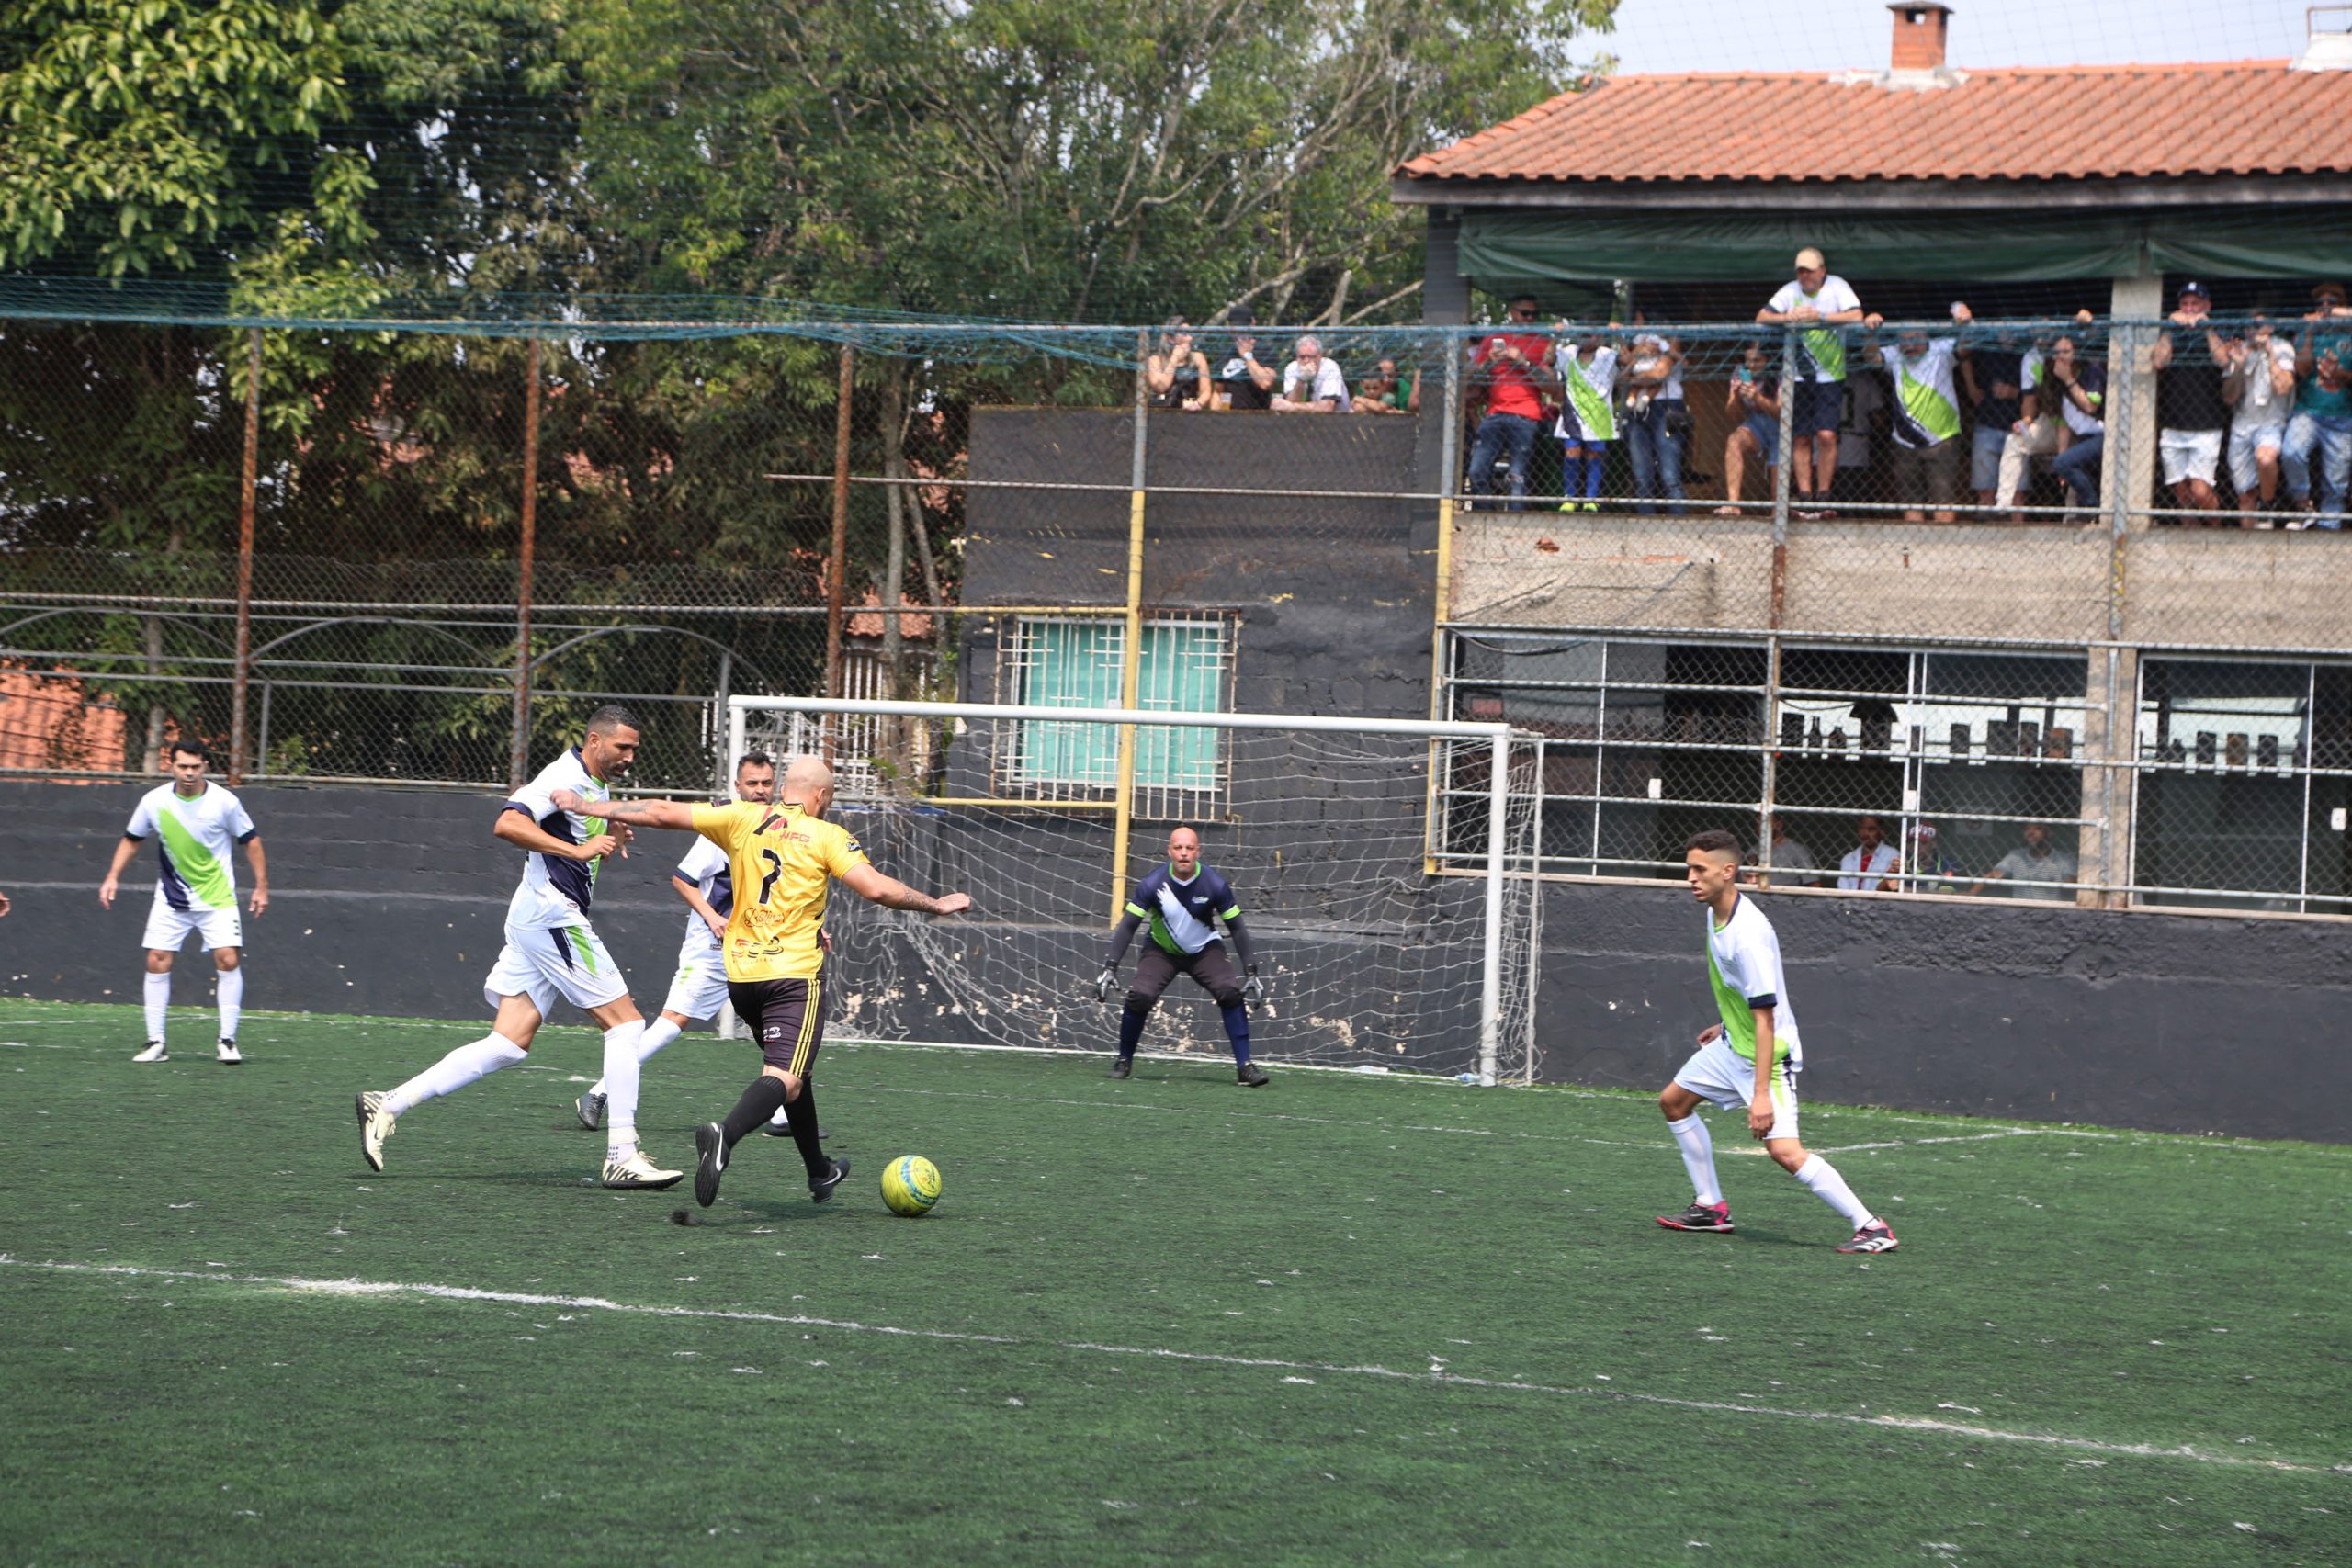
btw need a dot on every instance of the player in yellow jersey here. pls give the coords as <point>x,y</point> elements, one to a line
<point>784,859</point>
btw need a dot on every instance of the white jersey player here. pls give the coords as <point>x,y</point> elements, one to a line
<point>1750,1061</point>
<point>195,825</point>
<point>551,952</point>
<point>705,883</point>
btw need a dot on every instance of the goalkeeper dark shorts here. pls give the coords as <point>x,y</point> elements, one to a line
<point>1158,967</point>
<point>786,1016</point>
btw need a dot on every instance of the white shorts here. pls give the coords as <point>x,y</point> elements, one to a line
<point>1722,1075</point>
<point>567,962</point>
<point>2190,454</point>
<point>167,928</point>
<point>699,989</point>
<point>2247,439</point>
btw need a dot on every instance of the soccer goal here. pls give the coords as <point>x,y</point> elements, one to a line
<point>1385,868</point>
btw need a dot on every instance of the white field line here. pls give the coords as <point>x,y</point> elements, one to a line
<point>1082,1347</point>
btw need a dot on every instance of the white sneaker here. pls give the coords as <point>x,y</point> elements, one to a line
<point>229,1053</point>
<point>154,1053</point>
<point>375,1126</point>
<point>637,1171</point>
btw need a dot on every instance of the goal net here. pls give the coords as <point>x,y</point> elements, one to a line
<point>1384,870</point>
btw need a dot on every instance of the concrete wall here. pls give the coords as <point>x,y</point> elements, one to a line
<point>1958,579</point>
<point>2042,1012</point>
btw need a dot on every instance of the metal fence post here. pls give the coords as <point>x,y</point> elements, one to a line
<point>518,757</point>
<point>1131,656</point>
<point>837,563</point>
<point>244,678</point>
<point>1771,756</point>
<point>1781,480</point>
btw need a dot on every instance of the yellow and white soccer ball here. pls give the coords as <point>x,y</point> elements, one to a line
<point>910,1186</point>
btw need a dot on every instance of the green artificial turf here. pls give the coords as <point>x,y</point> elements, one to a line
<point>1344,1318</point>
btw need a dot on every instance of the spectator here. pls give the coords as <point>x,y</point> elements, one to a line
<point>1248,383</point>
<point>2078,386</point>
<point>1787,854</point>
<point>1927,415</point>
<point>2040,430</point>
<point>1995,379</point>
<point>1817,304</point>
<point>1177,374</point>
<point>1871,861</point>
<point>2259,386</point>
<point>2036,861</point>
<point>2191,414</point>
<point>1588,423</point>
<point>1312,384</point>
<point>2322,417</point>
<point>1512,366</point>
<point>1754,404</point>
<point>1931,871</point>
<point>1657,423</point>
<point>1383,391</point>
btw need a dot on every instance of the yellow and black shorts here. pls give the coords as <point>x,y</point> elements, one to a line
<point>786,1016</point>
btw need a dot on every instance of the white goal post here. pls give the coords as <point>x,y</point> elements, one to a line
<point>1355,839</point>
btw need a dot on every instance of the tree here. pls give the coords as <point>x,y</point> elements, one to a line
<point>1036,160</point>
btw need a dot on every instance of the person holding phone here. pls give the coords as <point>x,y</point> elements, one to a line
<point>1509,368</point>
<point>1754,408</point>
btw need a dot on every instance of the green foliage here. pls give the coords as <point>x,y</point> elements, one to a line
<point>145,133</point>
<point>1026,159</point>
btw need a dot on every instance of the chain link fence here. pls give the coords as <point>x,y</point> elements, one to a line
<point>1997,589</point>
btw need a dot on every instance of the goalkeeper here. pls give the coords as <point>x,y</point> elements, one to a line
<point>1182,900</point>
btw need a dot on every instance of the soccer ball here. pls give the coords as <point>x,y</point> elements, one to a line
<point>910,1186</point>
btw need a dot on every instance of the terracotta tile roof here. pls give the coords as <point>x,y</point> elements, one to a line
<point>2070,122</point>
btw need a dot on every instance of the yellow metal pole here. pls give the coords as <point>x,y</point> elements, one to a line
<point>1449,462</point>
<point>1131,655</point>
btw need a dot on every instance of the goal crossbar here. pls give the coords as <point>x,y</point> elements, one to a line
<point>1498,736</point>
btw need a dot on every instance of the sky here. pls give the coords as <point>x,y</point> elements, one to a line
<point>1839,35</point>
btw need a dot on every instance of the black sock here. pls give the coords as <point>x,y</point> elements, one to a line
<point>751,1112</point>
<point>804,1131</point>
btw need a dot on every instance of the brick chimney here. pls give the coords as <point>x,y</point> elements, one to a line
<point>1919,29</point>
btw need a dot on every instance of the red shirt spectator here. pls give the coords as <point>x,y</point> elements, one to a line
<point>1511,385</point>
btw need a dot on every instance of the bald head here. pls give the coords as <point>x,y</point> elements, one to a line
<point>809,783</point>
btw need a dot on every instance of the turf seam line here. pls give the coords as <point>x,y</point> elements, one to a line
<point>1457,1380</point>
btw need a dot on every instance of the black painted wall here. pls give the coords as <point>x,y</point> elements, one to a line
<point>1335,597</point>
<point>2044,1012</point>
<point>392,904</point>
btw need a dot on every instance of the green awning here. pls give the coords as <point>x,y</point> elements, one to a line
<point>1507,250</point>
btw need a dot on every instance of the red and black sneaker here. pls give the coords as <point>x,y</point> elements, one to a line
<point>1872,1238</point>
<point>1700,1217</point>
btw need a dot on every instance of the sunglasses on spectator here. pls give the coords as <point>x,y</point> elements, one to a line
<point>1523,314</point>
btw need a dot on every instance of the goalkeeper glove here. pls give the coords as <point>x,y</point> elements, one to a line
<point>1253,989</point>
<point>1104,981</point>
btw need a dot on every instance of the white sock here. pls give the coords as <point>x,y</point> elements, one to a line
<point>233,1000</point>
<point>783,1117</point>
<point>658,1033</point>
<point>454,1072</point>
<point>620,1087</point>
<point>1822,1178</point>
<point>158,997</point>
<point>1699,1157</point>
